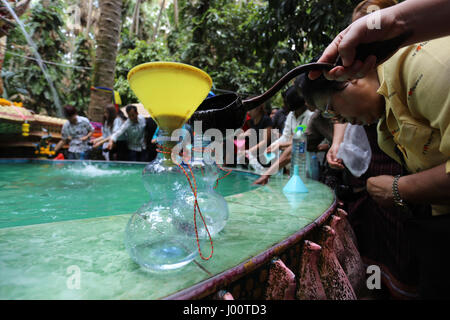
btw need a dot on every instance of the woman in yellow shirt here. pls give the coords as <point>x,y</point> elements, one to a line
<point>409,97</point>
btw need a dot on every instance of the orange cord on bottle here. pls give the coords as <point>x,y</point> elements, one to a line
<point>193,185</point>
<point>194,190</point>
<point>228,171</point>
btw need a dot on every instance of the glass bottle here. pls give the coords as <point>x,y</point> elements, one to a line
<point>156,237</point>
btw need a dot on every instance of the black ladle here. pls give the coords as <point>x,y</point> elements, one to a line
<point>228,111</point>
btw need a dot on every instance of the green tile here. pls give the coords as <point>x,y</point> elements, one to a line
<point>34,262</point>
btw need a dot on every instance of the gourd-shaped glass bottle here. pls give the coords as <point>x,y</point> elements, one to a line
<point>213,207</point>
<point>156,237</point>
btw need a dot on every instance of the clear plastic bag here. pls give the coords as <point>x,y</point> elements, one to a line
<point>355,150</point>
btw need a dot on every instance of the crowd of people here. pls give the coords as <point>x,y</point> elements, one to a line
<point>123,138</point>
<point>400,206</point>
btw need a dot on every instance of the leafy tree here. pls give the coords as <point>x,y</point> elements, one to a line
<point>248,46</point>
<point>127,59</point>
<point>244,45</point>
<point>310,25</point>
<point>213,36</point>
<point>44,24</point>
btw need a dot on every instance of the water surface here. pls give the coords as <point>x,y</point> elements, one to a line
<point>41,193</point>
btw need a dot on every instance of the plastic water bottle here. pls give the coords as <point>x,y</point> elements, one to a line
<point>298,156</point>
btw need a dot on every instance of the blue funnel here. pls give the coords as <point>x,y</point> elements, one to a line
<point>270,156</point>
<point>295,183</point>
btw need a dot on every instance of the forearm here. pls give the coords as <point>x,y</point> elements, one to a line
<point>338,133</point>
<point>286,144</point>
<point>274,145</point>
<point>254,144</point>
<point>113,137</point>
<point>430,186</point>
<point>97,139</point>
<point>282,161</point>
<point>285,157</point>
<point>59,145</point>
<point>86,137</point>
<point>426,19</point>
<point>120,131</point>
<point>106,139</point>
<point>100,141</point>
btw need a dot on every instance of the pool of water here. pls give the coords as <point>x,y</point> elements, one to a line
<point>32,193</point>
<point>89,206</point>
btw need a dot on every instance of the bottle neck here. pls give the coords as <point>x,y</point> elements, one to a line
<point>296,171</point>
<point>164,139</point>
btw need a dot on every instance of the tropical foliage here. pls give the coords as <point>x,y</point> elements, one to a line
<point>140,52</point>
<point>25,78</point>
<point>80,77</point>
<point>244,45</point>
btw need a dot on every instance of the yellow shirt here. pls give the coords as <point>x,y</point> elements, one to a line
<point>415,83</point>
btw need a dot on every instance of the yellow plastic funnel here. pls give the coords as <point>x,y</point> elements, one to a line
<point>170,91</point>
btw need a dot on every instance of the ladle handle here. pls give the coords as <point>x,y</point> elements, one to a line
<point>252,103</point>
<point>381,49</point>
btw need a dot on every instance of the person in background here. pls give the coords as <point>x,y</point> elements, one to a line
<point>268,108</point>
<point>298,115</point>
<point>134,128</point>
<point>76,131</point>
<point>120,149</point>
<point>277,132</point>
<point>282,161</point>
<point>319,137</point>
<point>273,112</point>
<point>150,131</point>
<point>259,120</point>
<point>279,119</point>
<point>259,132</point>
<point>319,133</point>
<point>109,118</point>
<point>265,123</point>
<point>319,130</point>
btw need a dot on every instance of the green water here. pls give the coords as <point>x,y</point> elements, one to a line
<point>41,193</point>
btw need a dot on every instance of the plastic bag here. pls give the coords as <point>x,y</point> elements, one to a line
<point>355,150</point>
